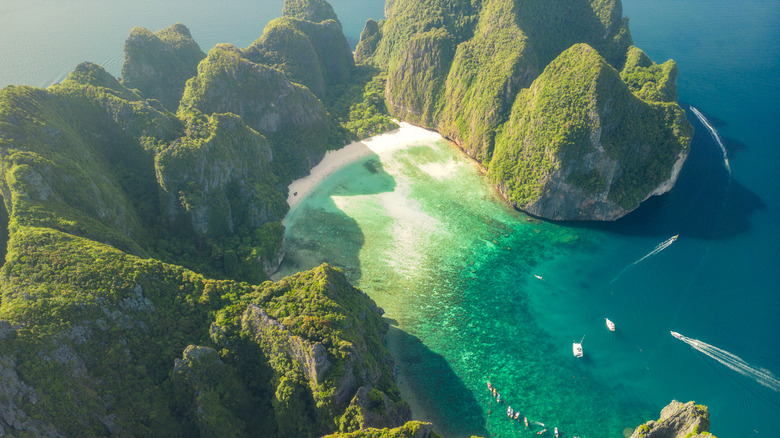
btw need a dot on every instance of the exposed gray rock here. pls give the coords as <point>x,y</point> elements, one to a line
<point>14,392</point>
<point>6,330</point>
<point>310,359</point>
<point>378,411</point>
<point>221,182</point>
<point>159,64</point>
<point>272,265</point>
<point>218,336</point>
<point>267,101</point>
<point>196,361</point>
<point>139,303</point>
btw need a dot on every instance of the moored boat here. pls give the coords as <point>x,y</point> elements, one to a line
<point>576,348</point>
<point>556,433</point>
<point>610,325</point>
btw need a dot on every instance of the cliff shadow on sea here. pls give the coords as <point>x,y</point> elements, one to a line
<point>706,202</point>
<point>319,214</point>
<point>423,373</point>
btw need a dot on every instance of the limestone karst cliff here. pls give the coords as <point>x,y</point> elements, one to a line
<point>678,420</point>
<point>502,80</point>
<point>143,213</point>
<point>158,64</point>
<point>132,298</point>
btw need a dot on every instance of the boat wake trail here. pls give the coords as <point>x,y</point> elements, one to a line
<point>661,246</point>
<point>715,136</point>
<point>734,362</point>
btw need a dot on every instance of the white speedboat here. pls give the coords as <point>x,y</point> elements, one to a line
<point>610,325</point>
<point>556,433</point>
<point>677,335</point>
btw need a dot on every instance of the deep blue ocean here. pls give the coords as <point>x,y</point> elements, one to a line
<point>456,270</point>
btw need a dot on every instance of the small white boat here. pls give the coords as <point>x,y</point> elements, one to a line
<point>539,277</point>
<point>677,335</point>
<point>556,433</point>
<point>610,325</point>
<point>576,348</point>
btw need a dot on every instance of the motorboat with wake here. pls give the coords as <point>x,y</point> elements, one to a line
<point>677,335</point>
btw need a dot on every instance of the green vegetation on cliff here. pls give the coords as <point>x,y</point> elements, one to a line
<point>359,107</point>
<point>98,333</point>
<point>132,300</point>
<point>316,55</point>
<point>487,71</point>
<point>597,136</point>
<point>310,10</point>
<point>412,429</point>
<point>468,70</point>
<point>159,64</point>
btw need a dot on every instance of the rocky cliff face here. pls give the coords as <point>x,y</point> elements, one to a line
<point>159,64</point>
<point>678,420</point>
<point>412,429</point>
<point>496,78</point>
<point>315,11</point>
<point>580,146</point>
<point>222,178</point>
<point>314,54</point>
<point>135,346</point>
<point>351,378</point>
<point>266,100</point>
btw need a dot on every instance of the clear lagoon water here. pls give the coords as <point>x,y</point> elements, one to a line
<point>455,269</point>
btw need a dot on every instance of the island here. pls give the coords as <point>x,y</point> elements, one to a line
<point>141,215</point>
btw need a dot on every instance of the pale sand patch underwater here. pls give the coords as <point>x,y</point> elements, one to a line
<point>405,136</point>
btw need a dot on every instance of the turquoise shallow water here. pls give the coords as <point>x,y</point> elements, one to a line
<point>471,309</point>
<point>455,267</point>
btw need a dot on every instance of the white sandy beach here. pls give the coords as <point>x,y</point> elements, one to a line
<point>405,136</point>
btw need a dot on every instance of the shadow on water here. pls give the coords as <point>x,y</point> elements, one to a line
<point>704,203</point>
<point>448,403</point>
<point>319,219</point>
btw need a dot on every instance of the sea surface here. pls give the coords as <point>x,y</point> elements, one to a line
<point>456,270</point>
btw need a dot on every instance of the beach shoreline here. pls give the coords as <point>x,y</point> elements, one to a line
<point>405,136</point>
